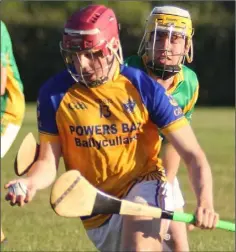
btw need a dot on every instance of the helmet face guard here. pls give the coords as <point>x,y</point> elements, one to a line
<point>76,67</point>
<point>87,47</point>
<point>161,33</point>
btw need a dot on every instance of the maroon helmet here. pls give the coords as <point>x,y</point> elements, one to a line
<point>88,30</point>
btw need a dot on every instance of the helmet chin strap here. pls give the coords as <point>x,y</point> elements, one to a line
<point>95,83</point>
<point>163,71</point>
<point>116,55</point>
<point>98,81</point>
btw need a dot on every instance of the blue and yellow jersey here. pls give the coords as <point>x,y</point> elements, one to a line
<point>109,133</point>
<point>185,86</point>
<point>12,102</point>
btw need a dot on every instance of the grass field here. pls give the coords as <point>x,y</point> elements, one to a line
<point>35,227</point>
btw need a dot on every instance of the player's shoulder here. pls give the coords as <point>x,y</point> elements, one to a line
<point>190,77</point>
<point>134,61</point>
<point>3,26</point>
<point>141,80</point>
<point>56,84</point>
<point>133,73</point>
<point>4,31</point>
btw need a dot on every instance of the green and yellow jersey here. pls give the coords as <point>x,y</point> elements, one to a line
<point>109,133</point>
<point>184,88</point>
<point>12,101</point>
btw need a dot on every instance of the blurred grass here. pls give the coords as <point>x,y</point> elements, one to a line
<point>35,227</point>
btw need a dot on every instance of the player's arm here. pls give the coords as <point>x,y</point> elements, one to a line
<point>170,156</point>
<point>185,142</point>
<point>170,159</point>
<point>164,111</point>
<point>167,115</point>
<point>179,133</point>
<point>41,174</point>
<point>3,79</point>
<point>6,47</point>
<point>43,171</point>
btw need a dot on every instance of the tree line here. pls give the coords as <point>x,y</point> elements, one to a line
<point>36,29</point>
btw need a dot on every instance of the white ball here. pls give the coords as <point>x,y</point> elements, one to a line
<point>18,188</point>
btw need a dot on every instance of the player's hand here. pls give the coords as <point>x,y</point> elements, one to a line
<point>206,218</point>
<point>20,191</point>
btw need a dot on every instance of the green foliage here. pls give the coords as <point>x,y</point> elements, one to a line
<point>36,29</point>
<point>46,13</point>
<point>134,13</point>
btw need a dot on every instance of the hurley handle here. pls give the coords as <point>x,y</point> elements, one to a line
<point>190,218</point>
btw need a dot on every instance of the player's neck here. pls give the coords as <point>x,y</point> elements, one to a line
<point>166,83</point>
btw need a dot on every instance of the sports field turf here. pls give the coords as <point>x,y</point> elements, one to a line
<point>35,227</point>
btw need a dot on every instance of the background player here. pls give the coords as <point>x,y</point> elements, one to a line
<point>167,41</point>
<point>12,97</point>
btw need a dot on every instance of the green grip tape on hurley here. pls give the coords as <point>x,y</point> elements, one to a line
<point>190,218</point>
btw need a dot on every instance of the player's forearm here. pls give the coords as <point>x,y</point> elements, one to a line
<point>42,174</point>
<point>201,178</point>
<point>171,161</point>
